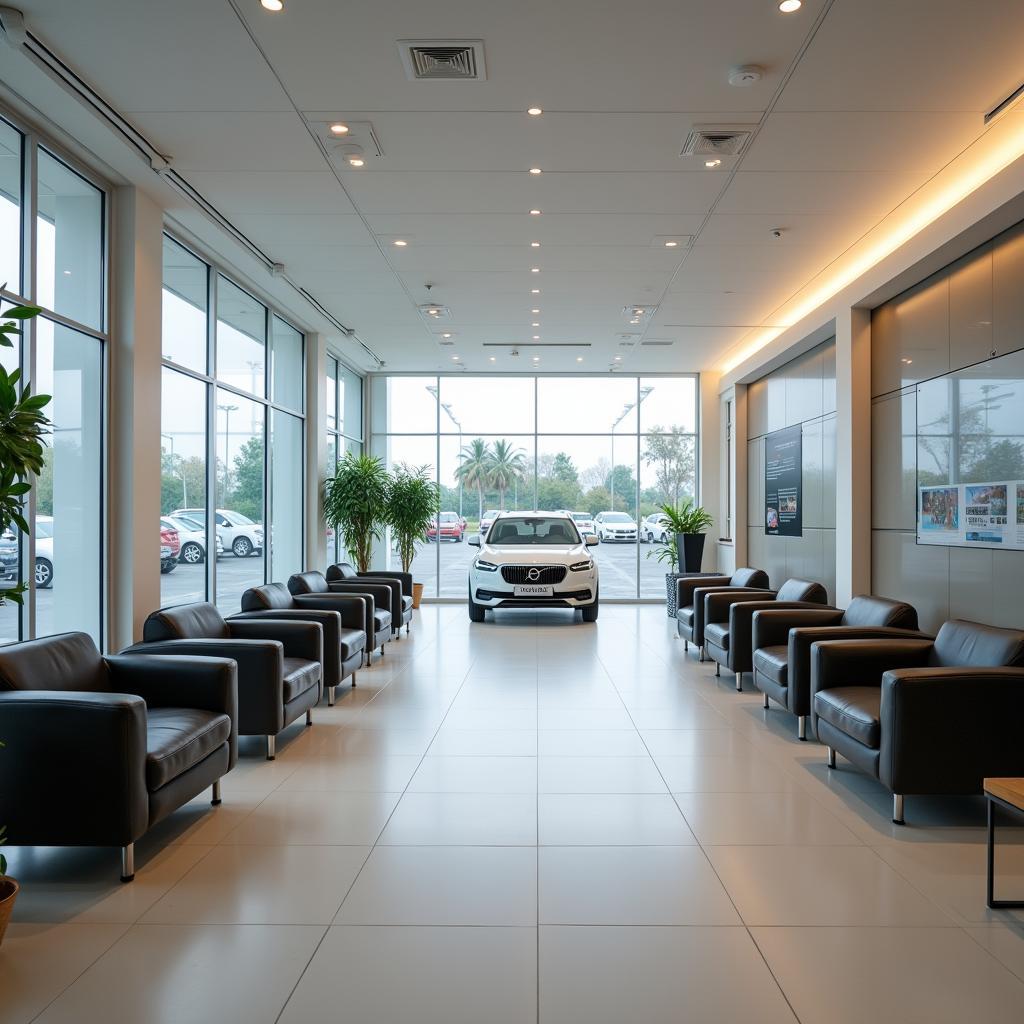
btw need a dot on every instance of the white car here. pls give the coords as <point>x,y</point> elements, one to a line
<point>239,533</point>
<point>486,520</point>
<point>654,528</point>
<point>584,523</point>
<point>533,560</point>
<point>615,526</point>
<point>193,539</point>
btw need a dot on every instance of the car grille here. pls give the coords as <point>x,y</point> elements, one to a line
<point>520,573</point>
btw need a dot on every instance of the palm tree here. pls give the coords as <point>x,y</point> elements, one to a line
<point>508,465</point>
<point>475,462</point>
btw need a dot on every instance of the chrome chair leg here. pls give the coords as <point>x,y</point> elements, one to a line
<point>128,862</point>
<point>215,795</point>
<point>309,718</point>
<point>718,669</point>
<point>897,809</point>
<point>353,678</point>
<point>330,696</point>
<point>801,727</point>
<point>831,757</point>
<point>271,748</point>
<point>766,702</point>
<point>739,681</point>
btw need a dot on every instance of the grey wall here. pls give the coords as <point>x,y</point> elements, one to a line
<point>803,391</point>
<point>964,314</point>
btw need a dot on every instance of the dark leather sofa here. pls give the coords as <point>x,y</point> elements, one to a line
<point>782,639</point>
<point>341,616</point>
<point>280,662</point>
<point>101,749</point>
<point>729,614</point>
<point>377,624</point>
<point>924,716</point>
<point>399,582</point>
<point>690,594</point>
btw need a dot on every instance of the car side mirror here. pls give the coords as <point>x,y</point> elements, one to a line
<point>474,540</point>
<point>591,541</point>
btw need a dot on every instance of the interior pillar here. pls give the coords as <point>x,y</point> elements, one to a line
<point>316,451</point>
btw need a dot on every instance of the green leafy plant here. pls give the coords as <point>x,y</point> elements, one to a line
<point>666,552</point>
<point>687,518</point>
<point>413,505</point>
<point>356,504</point>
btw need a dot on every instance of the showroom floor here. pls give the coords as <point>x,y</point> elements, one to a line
<point>530,819</point>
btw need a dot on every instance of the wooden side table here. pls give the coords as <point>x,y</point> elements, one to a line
<point>1007,795</point>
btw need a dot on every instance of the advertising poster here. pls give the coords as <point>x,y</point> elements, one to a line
<point>783,483</point>
<point>987,515</point>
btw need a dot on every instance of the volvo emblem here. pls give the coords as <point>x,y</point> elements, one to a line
<point>533,575</point>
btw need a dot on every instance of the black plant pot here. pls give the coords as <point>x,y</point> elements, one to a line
<point>690,549</point>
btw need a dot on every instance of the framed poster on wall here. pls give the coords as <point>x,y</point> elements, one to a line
<point>783,482</point>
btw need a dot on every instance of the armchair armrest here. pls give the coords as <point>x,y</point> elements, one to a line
<point>862,662</point>
<point>718,602</point>
<point>381,592</point>
<point>686,586</point>
<point>345,590</point>
<point>945,729</point>
<point>405,578</point>
<point>741,628</point>
<point>328,621</point>
<point>300,639</point>
<point>771,625</point>
<point>351,607</point>
<point>82,758</point>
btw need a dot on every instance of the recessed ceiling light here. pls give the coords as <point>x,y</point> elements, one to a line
<point>356,161</point>
<point>536,323</point>
<point>536,337</point>
<point>455,359</point>
<point>535,245</point>
<point>535,213</point>
<point>447,334</point>
<point>492,358</point>
<point>536,359</point>
<point>712,163</point>
<point>789,6</point>
<point>536,111</point>
<point>579,359</point>
<point>339,128</point>
<point>534,270</point>
<point>535,170</point>
<point>401,243</point>
<point>618,358</point>
<point>671,245</point>
<point>534,310</point>
<point>272,5</point>
<point>535,291</point>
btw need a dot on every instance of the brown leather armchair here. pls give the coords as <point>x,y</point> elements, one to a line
<point>924,716</point>
<point>400,584</point>
<point>377,596</point>
<point>782,639</point>
<point>690,594</point>
<point>280,663</point>
<point>729,614</point>
<point>341,616</point>
<point>104,748</point>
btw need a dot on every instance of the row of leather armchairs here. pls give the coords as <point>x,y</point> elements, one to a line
<point>101,748</point>
<point>922,714</point>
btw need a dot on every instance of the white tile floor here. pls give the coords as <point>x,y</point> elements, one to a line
<point>530,820</point>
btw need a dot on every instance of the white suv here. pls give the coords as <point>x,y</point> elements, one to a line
<point>239,533</point>
<point>533,560</point>
<point>615,526</point>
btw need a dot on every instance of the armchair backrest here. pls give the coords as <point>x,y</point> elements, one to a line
<point>341,571</point>
<point>308,583</point>
<point>964,644</point>
<point>197,621</point>
<point>747,577</point>
<point>796,589</point>
<point>67,661</point>
<point>866,610</point>
<point>272,595</point>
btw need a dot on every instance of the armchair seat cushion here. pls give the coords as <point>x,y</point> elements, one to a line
<point>773,663</point>
<point>299,676</point>
<point>853,710</point>
<point>382,620</point>
<point>179,738</point>
<point>717,633</point>
<point>685,615</point>
<point>406,603</point>
<point>352,642</point>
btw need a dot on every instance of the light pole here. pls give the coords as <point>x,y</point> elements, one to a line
<point>181,475</point>
<point>448,409</point>
<point>227,410</point>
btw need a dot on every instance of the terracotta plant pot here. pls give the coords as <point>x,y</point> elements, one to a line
<point>8,894</point>
<point>417,594</point>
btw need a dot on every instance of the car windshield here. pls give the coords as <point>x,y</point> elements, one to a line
<point>238,519</point>
<point>617,517</point>
<point>539,530</point>
<point>582,517</point>
<point>190,523</point>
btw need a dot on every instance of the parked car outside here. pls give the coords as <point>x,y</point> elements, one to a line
<point>654,528</point>
<point>486,519</point>
<point>240,535</point>
<point>170,545</point>
<point>44,554</point>
<point>193,539</point>
<point>615,526</point>
<point>584,523</point>
<point>447,526</point>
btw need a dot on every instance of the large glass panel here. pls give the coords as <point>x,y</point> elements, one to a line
<point>10,208</point>
<point>404,405</point>
<point>69,243</point>
<point>286,495</point>
<point>668,404</point>
<point>240,499</point>
<point>241,339</point>
<point>183,527</point>
<point>185,303</point>
<point>586,405</point>
<point>69,493</point>
<point>331,400</point>
<point>350,388</point>
<point>473,405</point>
<point>286,365</point>
<point>332,463</point>
<point>668,476</point>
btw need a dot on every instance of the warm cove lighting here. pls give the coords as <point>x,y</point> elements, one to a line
<point>979,168</point>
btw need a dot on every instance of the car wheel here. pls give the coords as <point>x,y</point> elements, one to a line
<point>44,573</point>
<point>192,553</point>
<point>242,547</point>
<point>477,612</point>
<point>590,610</point>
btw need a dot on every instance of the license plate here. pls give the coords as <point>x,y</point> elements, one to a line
<point>533,590</point>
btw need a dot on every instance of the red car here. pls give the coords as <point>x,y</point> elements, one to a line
<point>170,546</point>
<point>448,526</point>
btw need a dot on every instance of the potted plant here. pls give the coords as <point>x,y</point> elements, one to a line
<point>413,505</point>
<point>688,522</point>
<point>22,425</point>
<point>356,505</point>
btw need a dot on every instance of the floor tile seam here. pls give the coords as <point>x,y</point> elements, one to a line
<point>291,992</point>
<point>1019,975</point>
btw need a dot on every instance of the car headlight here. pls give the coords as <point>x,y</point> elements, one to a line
<point>582,566</point>
<point>485,566</point>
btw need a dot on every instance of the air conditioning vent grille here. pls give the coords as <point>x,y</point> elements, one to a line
<point>443,59</point>
<point>708,141</point>
<point>657,342</point>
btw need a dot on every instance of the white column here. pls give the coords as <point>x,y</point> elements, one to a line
<point>853,454</point>
<point>316,450</point>
<point>133,527</point>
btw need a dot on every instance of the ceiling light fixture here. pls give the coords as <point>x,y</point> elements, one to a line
<point>534,310</point>
<point>535,170</point>
<point>671,245</point>
<point>339,128</point>
<point>618,359</point>
<point>536,337</point>
<point>789,6</point>
<point>536,323</point>
<point>455,359</point>
<point>535,245</point>
<point>535,291</point>
<point>447,334</point>
<point>356,161</point>
<point>535,111</point>
<point>534,270</point>
<point>401,243</point>
<point>492,358</point>
<point>535,213</point>
<point>579,359</point>
<point>272,5</point>
<point>713,163</point>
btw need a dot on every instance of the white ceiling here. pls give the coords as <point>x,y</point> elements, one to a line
<point>862,102</point>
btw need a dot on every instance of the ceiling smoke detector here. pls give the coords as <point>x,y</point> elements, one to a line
<point>746,74</point>
<point>716,140</point>
<point>443,59</point>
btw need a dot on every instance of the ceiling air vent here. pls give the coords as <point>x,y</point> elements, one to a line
<point>710,140</point>
<point>657,343</point>
<point>443,59</point>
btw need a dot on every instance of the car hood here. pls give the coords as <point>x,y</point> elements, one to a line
<point>529,554</point>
